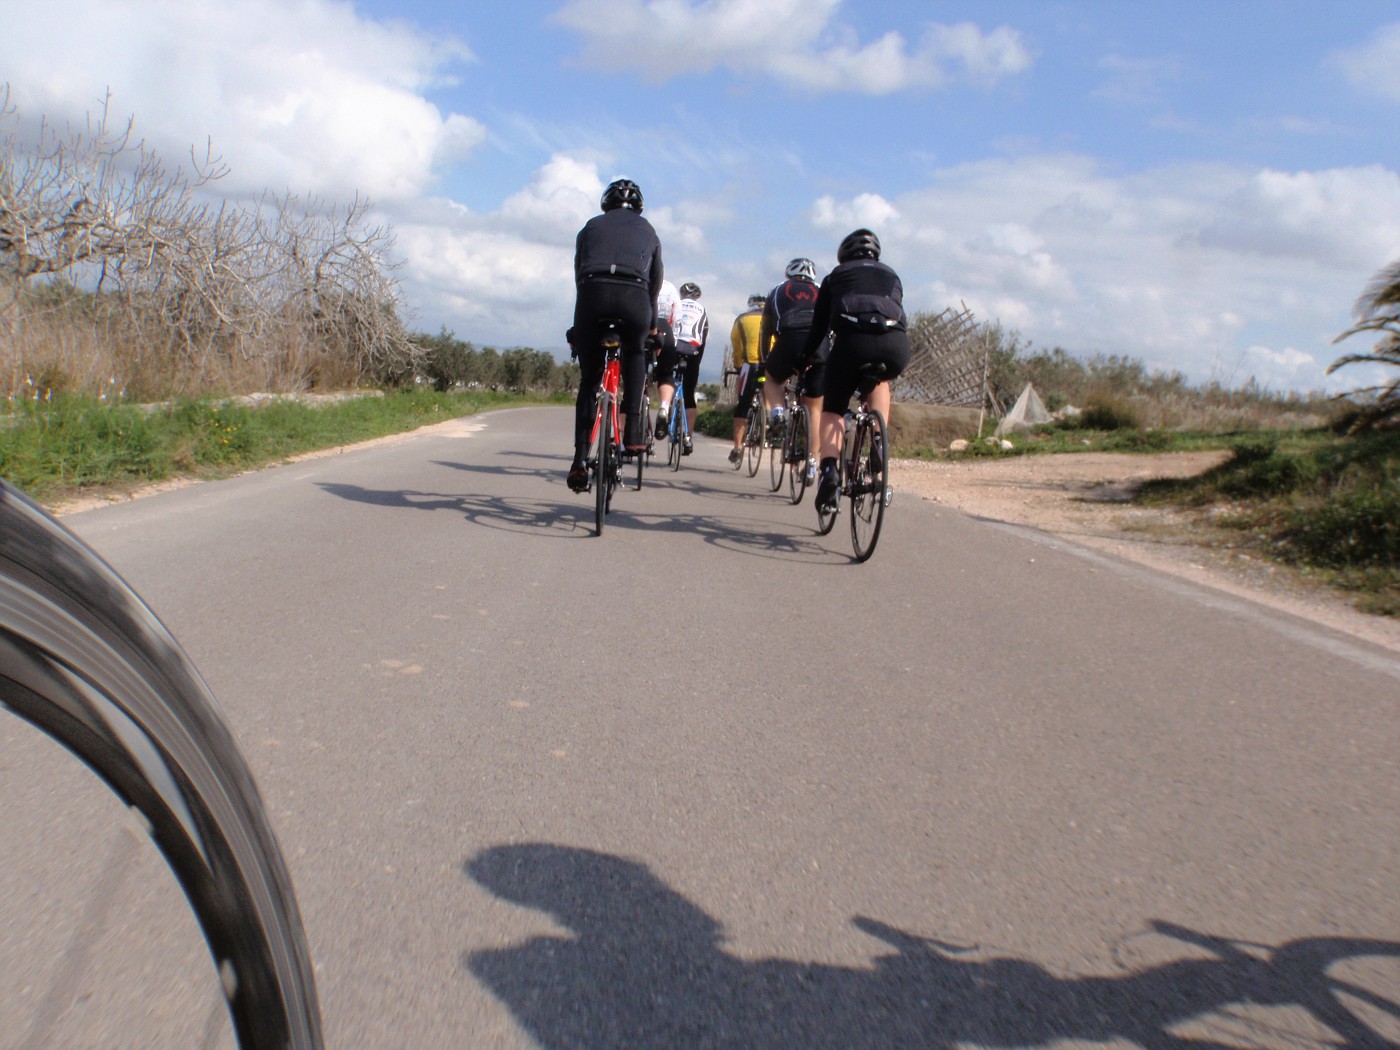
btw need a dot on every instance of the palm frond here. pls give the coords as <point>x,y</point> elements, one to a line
<point>1382,292</point>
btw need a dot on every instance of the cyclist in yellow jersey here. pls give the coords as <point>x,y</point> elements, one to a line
<point>746,355</point>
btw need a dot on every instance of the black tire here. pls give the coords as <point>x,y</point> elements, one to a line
<point>795,452</point>
<point>86,662</point>
<point>869,486</point>
<point>676,433</point>
<point>645,431</point>
<point>756,436</point>
<point>602,471</point>
<point>777,458</point>
<point>826,520</point>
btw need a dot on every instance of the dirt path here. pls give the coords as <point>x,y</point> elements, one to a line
<point>1083,498</point>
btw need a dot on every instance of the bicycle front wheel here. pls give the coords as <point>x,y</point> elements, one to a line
<point>795,452</point>
<point>676,434</point>
<point>778,460</point>
<point>87,664</point>
<point>869,484</point>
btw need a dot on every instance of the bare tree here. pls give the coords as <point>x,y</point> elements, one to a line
<point>202,289</point>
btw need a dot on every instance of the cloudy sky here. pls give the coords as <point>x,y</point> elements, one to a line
<point>1206,186</point>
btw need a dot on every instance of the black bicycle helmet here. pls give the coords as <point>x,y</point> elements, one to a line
<point>862,244</point>
<point>690,290</point>
<point>757,300</point>
<point>801,270</point>
<point>622,193</point>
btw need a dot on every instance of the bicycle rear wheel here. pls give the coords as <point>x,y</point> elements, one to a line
<point>602,471</point>
<point>795,452</point>
<point>869,484</point>
<point>755,436</point>
<point>85,662</point>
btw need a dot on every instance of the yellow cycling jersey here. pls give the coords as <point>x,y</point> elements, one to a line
<point>744,339</point>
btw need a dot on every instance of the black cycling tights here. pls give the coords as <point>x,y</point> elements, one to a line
<point>631,304</point>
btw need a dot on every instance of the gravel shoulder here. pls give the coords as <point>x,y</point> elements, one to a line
<point>1084,497</point>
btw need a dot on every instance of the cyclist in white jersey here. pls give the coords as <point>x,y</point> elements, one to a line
<point>692,329</point>
<point>667,306</point>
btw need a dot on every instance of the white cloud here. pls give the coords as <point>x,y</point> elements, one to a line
<point>1182,267</point>
<point>1374,68</point>
<point>308,96</point>
<point>1345,214</point>
<point>797,42</point>
<point>548,209</point>
<point>1287,359</point>
<point>868,210</point>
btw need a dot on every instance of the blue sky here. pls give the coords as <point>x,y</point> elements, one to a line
<point>1204,186</point>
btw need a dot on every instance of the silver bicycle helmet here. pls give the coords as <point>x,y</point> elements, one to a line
<point>801,270</point>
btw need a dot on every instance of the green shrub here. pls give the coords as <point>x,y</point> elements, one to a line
<point>1106,412</point>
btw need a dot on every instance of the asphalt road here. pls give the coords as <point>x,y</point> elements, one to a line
<point>702,781</point>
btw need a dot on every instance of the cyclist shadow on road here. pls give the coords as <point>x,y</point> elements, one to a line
<point>559,465</point>
<point>533,516</point>
<point>561,520</point>
<point>641,966</point>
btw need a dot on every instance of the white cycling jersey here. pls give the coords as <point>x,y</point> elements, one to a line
<point>691,324</point>
<point>667,302</point>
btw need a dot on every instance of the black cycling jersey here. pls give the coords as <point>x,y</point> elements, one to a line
<point>619,246</point>
<point>862,295</point>
<point>617,267</point>
<point>790,306</point>
<point>861,304</point>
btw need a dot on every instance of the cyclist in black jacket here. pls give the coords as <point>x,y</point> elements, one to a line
<point>861,305</point>
<point>618,271</point>
<point>787,321</point>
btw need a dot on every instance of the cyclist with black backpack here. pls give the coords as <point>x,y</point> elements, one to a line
<point>787,322</point>
<point>861,305</point>
<point>618,272</point>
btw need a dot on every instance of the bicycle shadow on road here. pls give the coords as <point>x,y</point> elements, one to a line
<point>641,966</point>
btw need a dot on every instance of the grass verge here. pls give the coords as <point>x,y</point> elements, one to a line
<point>70,446</point>
<point>1327,505</point>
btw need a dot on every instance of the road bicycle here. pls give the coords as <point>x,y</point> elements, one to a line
<point>677,423</point>
<point>756,431</point>
<point>605,439</point>
<point>644,413</point>
<point>779,441</point>
<point>864,471</point>
<point>89,665</point>
<point>794,451</point>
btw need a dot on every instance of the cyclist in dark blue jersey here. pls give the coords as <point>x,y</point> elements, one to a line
<point>787,322</point>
